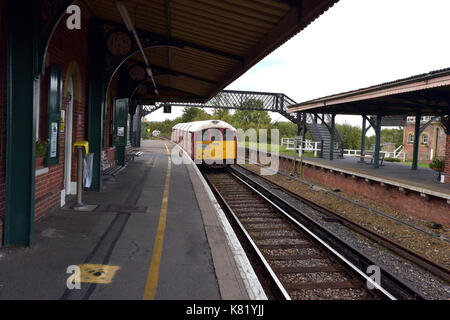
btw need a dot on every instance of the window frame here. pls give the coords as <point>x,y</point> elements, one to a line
<point>410,139</point>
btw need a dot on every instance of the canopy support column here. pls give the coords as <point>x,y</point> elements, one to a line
<point>363,136</point>
<point>416,140</point>
<point>376,155</point>
<point>333,127</point>
<point>21,66</point>
<point>96,100</point>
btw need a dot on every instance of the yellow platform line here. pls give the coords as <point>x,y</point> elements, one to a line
<point>153,273</point>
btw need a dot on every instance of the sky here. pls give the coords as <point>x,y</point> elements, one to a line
<point>355,44</point>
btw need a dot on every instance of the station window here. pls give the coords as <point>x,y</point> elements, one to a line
<point>411,138</point>
<point>424,139</point>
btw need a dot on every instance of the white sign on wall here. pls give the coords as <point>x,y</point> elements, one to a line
<point>54,140</point>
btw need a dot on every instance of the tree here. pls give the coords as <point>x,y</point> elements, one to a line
<point>194,114</point>
<point>287,129</point>
<point>351,135</point>
<point>145,126</point>
<point>222,114</point>
<point>392,135</point>
<point>255,119</point>
<point>387,135</point>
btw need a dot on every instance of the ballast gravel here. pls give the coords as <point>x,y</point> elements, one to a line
<point>428,284</point>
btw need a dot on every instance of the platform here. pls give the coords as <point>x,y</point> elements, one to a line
<point>423,180</point>
<point>156,234</point>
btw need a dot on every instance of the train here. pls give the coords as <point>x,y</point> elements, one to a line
<point>212,143</point>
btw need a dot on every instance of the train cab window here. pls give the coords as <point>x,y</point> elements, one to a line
<point>228,135</point>
<point>213,138</point>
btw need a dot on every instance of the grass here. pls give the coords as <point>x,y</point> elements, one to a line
<point>423,165</point>
<point>281,149</point>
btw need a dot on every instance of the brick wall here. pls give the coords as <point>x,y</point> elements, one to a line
<point>66,47</point>
<point>2,113</point>
<point>411,203</point>
<point>432,208</point>
<point>425,150</point>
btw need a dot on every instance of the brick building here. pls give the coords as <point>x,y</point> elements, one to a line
<point>432,140</point>
<point>66,61</point>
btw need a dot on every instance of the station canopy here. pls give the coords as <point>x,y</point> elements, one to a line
<point>428,92</point>
<point>213,42</point>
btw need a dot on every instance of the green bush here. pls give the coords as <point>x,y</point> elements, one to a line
<point>41,149</point>
<point>392,159</point>
<point>437,164</point>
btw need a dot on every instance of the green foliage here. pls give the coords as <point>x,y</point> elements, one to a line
<point>437,164</point>
<point>194,114</point>
<point>351,135</point>
<point>246,119</point>
<point>392,159</point>
<point>287,129</point>
<point>41,148</point>
<point>387,135</point>
<point>222,114</point>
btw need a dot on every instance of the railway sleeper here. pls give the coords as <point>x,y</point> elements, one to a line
<point>350,284</point>
<point>331,268</point>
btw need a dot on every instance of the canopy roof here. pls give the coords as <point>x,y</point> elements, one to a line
<point>218,40</point>
<point>430,92</point>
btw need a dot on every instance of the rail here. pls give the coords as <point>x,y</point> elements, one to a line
<point>437,269</point>
<point>391,287</point>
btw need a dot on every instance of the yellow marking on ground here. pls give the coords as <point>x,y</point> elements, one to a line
<point>97,273</point>
<point>153,272</point>
<point>167,149</point>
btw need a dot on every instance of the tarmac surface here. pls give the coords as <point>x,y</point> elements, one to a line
<point>154,235</point>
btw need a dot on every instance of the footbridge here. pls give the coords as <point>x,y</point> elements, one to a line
<point>318,125</point>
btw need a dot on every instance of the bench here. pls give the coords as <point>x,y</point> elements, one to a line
<point>131,153</point>
<point>370,155</point>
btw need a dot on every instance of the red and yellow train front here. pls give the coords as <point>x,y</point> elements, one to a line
<point>215,146</point>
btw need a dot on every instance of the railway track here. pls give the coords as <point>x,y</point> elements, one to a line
<point>431,266</point>
<point>301,258</point>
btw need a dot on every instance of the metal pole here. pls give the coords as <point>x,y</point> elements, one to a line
<point>376,156</point>
<point>363,138</point>
<point>333,117</point>
<point>416,140</point>
<point>80,205</point>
